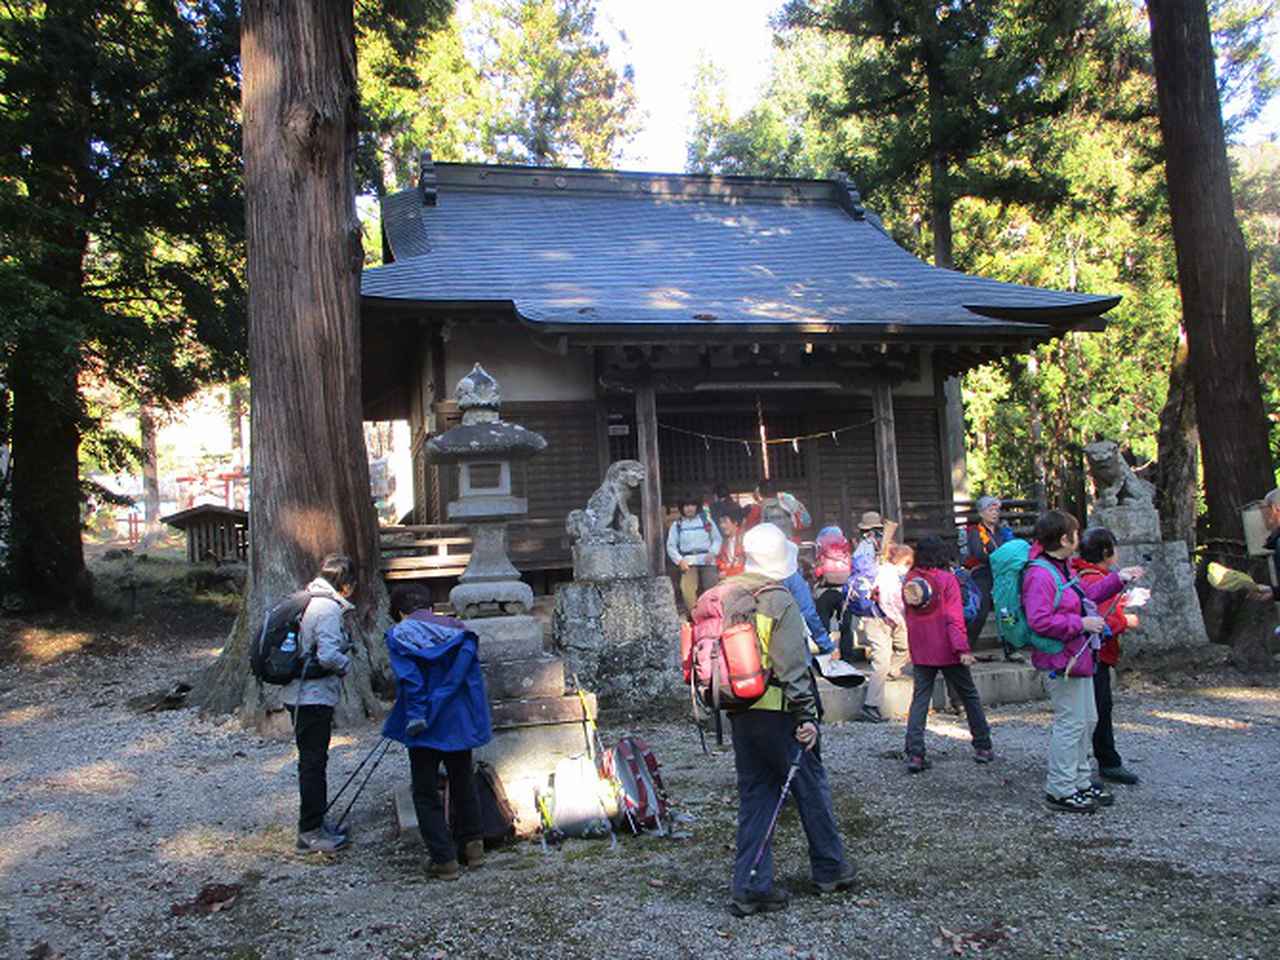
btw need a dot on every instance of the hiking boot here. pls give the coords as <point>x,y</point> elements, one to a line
<point>321,841</point>
<point>918,764</point>
<point>770,901</point>
<point>870,715</point>
<point>843,882</point>
<point>1011,656</point>
<point>1079,802</point>
<point>473,853</point>
<point>1119,775</point>
<point>444,871</point>
<point>983,756</point>
<point>1099,795</point>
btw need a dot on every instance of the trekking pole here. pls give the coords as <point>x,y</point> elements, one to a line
<point>382,742</point>
<point>386,745</point>
<point>773,821</point>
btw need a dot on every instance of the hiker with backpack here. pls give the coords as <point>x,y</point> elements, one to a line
<point>939,644</point>
<point>1064,628</point>
<point>856,599</point>
<point>310,698</point>
<point>1098,558</point>
<point>693,543</point>
<point>441,714</point>
<point>776,739</point>
<point>981,539</point>
<point>780,508</point>
<point>886,631</point>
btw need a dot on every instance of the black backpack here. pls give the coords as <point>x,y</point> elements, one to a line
<point>497,815</point>
<point>278,657</point>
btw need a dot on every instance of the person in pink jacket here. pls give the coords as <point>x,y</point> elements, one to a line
<point>939,643</point>
<point>1063,610</point>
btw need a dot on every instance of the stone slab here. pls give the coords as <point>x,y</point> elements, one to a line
<point>508,638</point>
<point>536,711</point>
<point>1172,619</point>
<point>521,679</point>
<point>620,639</point>
<point>1136,523</point>
<point>406,815</point>
<point>606,562</point>
<point>997,683</point>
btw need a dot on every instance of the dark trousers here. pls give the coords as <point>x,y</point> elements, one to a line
<point>1104,736</point>
<point>763,747</point>
<point>960,680</point>
<point>424,773</point>
<point>982,579</point>
<point>312,726</point>
<point>828,605</point>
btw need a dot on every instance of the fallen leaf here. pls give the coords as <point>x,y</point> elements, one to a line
<point>655,882</point>
<point>212,898</point>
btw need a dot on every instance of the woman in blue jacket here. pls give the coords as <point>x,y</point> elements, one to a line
<point>441,714</point>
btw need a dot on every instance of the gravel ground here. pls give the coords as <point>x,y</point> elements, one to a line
<point>111,818</point>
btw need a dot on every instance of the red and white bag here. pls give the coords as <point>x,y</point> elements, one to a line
<point>642,796</point>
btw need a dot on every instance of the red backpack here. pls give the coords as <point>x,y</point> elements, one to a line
<point>642,796</point>
<point>720,649</point>
<point>834,558</point>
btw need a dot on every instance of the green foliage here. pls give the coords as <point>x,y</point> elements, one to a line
<point>120,195</point>
<point>523,81</point>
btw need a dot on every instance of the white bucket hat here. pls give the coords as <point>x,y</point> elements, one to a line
<point>769,552</point>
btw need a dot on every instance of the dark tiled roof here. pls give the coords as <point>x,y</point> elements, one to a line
<point>571,247</point>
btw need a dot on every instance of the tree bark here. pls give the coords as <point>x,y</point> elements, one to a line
<point>150,471</point>
<point>47,555</point>
<point>1178,454</point>
<point>1213,277</point>
<point>310,472</point>
<point>236,396</point>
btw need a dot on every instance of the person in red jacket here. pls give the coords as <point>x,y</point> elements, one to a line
<point>938,643</point>
<point>1097,559</point>
<point>732,558</point>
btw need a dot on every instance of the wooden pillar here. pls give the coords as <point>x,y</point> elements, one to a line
<point>886,452</point>
<point>955,438</point>
<point>651,513</point>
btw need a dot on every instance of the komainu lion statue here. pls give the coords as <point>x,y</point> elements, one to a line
<point>607,519</point>
<point>1114,481</point>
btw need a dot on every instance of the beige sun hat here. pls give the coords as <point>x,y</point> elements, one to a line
<point>870,521</point>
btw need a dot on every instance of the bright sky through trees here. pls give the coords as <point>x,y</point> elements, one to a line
<point>665,39</point>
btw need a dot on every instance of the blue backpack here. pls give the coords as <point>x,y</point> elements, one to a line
<point>860,588</point>
<point>970,594</point>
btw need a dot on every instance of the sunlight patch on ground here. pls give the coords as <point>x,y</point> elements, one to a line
<point>197,844</point>
<point>102,777</point>
<point>44,645</point>
<point>38,831</point>
<point>1201,720</point>
<point>20,716</point>
<point>1268,696</point>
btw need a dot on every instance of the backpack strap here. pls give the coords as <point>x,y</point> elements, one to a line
<point>1060,585</point>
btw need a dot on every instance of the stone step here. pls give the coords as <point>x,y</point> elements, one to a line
<point>535,711</point>
<point>508,638</point>
<point>522,679</point>
<point>997,683</point>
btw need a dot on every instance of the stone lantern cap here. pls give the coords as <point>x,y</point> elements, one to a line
<point>482,435</point>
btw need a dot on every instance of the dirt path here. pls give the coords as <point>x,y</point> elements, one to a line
<point>109,818</point>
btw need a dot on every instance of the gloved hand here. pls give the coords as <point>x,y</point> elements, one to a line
<point>415,726</point>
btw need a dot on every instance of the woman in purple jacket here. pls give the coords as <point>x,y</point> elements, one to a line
<point>1061,609</point>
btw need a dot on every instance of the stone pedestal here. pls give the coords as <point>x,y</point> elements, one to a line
<point>1172,618</point>
<point>606,562</point>
<point>621,637</point>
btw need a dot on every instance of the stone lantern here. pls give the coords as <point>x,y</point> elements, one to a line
<point>484,447</point>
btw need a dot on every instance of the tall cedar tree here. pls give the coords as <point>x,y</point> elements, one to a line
<point>310,470</point>
<point>1213,276</point>
<point>947,85</point>
<point>120,218</point>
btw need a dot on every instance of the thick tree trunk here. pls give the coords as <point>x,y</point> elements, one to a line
<point>47,555</point>
<point>310,473</point>
<point>1178,453</point>
<point>150,469</point>
<point>1213,277</point>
